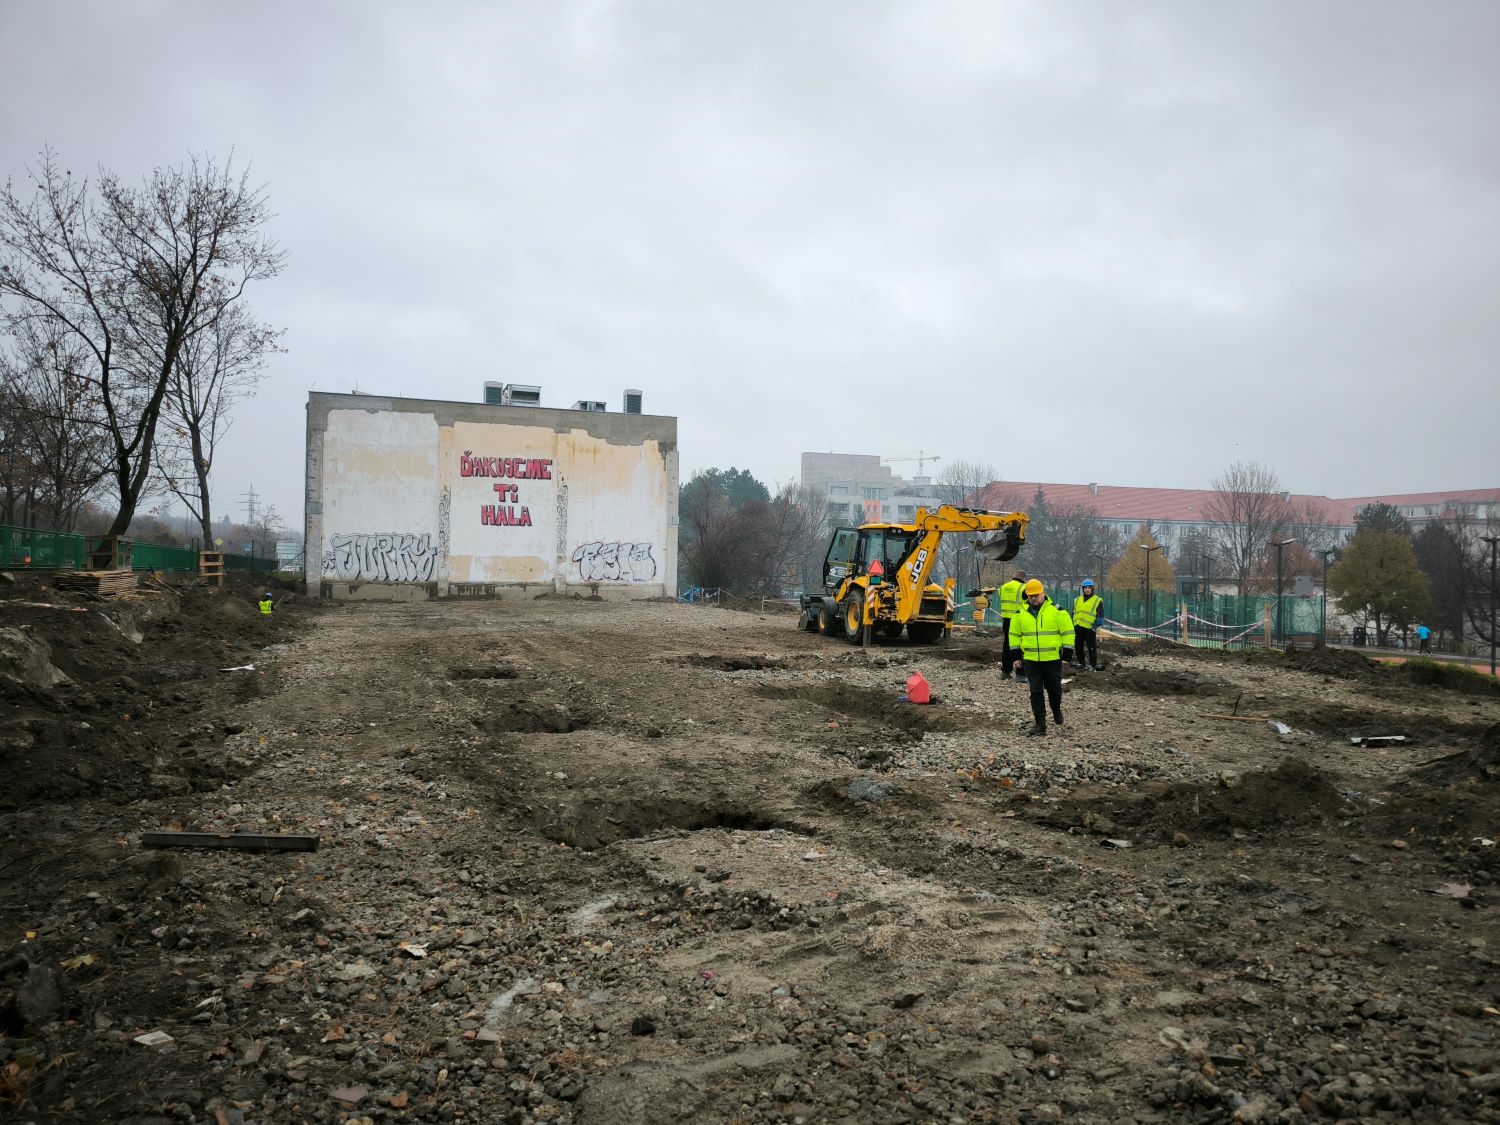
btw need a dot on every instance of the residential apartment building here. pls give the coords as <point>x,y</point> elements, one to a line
<point>861,489</point>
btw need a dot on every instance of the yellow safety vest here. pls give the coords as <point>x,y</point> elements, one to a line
<point>1010,599</point>
<point>265,606</point>
<point>1086,610</point>
<point>1043,634</point>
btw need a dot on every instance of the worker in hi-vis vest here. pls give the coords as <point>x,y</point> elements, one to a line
<point>1010,605</point>
<point>1044,634</point>
<point>1086,608</point>
<point>266,605</point>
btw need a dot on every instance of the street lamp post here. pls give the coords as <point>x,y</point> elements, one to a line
<point>1492,540</point>
<point>1323,613</point>
<point>1280,627</point>
<point>1148,550</point>
<point>1099,557</point>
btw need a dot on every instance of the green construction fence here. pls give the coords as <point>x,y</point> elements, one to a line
<point>23,548</point>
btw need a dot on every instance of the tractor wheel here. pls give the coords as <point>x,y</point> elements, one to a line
<point>924,632</point>
<point>809,620</point>
<point>854,616</point>
<point>829,622</point>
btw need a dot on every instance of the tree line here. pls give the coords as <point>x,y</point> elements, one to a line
<point>125,337</point>
<point>737,536</point>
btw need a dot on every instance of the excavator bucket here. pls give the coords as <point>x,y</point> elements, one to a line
<point>1001,547</point>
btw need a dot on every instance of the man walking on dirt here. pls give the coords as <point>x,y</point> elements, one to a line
<point>1010,605</point>
<point>1044,634</point>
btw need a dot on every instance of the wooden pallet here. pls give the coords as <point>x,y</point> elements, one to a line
<point>110,554</point>
<point>100,583</point>
<point>211,566</point>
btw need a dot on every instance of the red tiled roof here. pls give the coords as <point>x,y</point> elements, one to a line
<point>1118,502</point>
<point>1407,499</point>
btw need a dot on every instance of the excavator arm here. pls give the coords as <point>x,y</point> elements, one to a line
<point>1007,534</point>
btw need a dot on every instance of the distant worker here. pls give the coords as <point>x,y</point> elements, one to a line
<point>1010,605</point>
<point>1044,634</point>
<point>1085,612</point>
<point>266,605</point>
<point>1424,639</point>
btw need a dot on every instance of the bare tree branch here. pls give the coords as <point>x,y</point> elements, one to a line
<point>132,279</point>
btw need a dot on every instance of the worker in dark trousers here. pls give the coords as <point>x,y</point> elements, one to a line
<point>1086,608</point>
<point>1010,605</point>
<point>1044,634</point>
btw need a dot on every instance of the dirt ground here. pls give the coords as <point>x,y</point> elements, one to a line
<point>607,862</point>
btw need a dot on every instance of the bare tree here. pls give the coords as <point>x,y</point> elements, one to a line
<point>263,528</point>
<point>1064,540</point>
<point>959,484</point>
<point>1247,511</point>
<point>131,278</point>
<point>737,539</point>
<point>1309,525</point>
<point>215,369</point>
<point>52,425</point>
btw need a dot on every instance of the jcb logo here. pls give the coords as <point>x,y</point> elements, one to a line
<point>916,563</point>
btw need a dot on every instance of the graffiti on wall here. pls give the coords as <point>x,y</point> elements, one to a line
<point>381,557</point>
<point>615,562</point>
<point>507,511</point>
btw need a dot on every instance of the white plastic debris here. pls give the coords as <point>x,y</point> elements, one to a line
<point>154,1039</point>
<point>1278,726</point>
<point>240,668</point>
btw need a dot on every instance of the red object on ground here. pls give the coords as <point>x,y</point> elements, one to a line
<point>917,689</point>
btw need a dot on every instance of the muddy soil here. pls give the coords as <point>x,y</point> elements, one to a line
<point>586,861</point>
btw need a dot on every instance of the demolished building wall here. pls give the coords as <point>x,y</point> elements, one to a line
<point>416,498</point>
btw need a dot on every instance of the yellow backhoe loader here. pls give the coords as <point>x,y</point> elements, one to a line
<point>877,576</point>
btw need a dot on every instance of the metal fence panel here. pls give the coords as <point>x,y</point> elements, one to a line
<point>26,547</point>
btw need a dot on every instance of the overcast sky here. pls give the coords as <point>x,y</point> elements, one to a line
<point>1125,243</point>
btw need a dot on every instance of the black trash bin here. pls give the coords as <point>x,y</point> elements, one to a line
<point>1361,636</point>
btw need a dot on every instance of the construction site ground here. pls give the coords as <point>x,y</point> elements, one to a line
<point>615,862</point>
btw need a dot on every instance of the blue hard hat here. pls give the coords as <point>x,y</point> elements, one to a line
<point>1088,581</point>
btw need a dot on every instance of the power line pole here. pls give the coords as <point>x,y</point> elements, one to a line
<point>249,498</point>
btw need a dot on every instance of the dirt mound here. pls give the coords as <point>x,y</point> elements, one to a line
<point>737,662</point>
<point>1444,674</point>
<point>884,708</point>
<point>1149,682</point>
<point>972,650</point>
<point>1294,793</point>
<point>26,663</point>
<point>536,717</point>
<point>1338,662</point>
<point>139,712</point>
<point>1481,763</point>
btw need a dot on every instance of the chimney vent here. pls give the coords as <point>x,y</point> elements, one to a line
<point>632,401</point>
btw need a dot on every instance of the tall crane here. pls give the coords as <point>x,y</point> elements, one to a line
<point>920,457</point>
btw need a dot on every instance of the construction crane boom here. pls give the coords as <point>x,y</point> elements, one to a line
<point>921,457</point>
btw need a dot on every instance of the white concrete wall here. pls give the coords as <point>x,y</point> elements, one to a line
<point>410,498</point>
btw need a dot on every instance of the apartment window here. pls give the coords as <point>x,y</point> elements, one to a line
<point>874,494</point>
<point>838,490</point>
